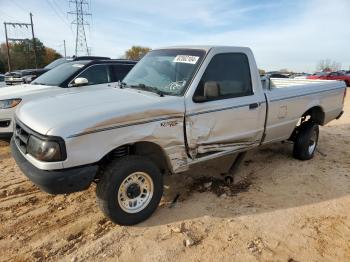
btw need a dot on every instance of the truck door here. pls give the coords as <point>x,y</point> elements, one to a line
<point>225,112</point>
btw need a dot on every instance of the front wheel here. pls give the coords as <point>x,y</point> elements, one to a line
<point>306,141</point>
<point>130,190</point>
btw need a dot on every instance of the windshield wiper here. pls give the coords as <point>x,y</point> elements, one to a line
<point>149,88</point>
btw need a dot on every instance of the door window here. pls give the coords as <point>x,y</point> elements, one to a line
<point>230,72</point>
<point>96,74</point>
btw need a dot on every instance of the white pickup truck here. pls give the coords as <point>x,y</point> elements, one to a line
<point>178,106</point>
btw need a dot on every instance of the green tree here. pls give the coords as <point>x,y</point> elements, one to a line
<point>3,58</point>
<point>22,55</point>
<point>136,52</point>
<point>50,55</point>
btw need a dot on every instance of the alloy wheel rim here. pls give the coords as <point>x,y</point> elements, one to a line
<point>135,192</point>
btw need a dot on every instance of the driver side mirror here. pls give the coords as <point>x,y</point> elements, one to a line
<point>80,81</point>
<point>211,91</point>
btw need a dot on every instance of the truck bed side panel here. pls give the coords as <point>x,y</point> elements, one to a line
<point>287,103</point>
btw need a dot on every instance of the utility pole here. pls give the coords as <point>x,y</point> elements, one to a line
<point>15,26</point>
<point>64,46</point>
<point>79,14</point>
<point>34,43</point>
<point>8,50</point>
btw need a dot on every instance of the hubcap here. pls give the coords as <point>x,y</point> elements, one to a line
<point>312,143</point>
<point>135,192</point>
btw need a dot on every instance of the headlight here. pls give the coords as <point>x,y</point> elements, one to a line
<point>9,103</point>
<point>48,151</point>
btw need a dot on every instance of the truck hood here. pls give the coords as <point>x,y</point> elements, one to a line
<point>79,112</point>
<point>21,91</point>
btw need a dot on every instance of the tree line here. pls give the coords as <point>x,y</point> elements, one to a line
<point>22,55</point>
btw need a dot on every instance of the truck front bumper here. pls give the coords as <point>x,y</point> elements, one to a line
<point>57,181</point>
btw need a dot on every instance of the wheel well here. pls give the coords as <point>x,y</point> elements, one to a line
<point>314,114</point>
<point>147,149</point>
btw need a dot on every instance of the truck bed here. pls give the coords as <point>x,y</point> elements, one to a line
<point>290,98</point>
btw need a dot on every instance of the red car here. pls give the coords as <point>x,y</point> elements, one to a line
<point>331,76</point>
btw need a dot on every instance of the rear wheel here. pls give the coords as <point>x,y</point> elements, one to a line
<point>130,190</point>
<point>306,141</point>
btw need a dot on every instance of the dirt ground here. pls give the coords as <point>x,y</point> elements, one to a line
<point>285,210</point>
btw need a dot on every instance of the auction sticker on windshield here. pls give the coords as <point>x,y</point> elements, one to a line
<point>188,59</point>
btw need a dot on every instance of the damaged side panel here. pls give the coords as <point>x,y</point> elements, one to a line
<point>165,131</point>
<point>220,131</point>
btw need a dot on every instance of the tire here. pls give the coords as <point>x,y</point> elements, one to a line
<point>306,141</point>
<point>121,190</point>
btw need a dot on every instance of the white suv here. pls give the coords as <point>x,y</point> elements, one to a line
<point>66,78</point>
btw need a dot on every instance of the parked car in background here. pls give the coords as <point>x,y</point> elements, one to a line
<point>69,77</point>
<point>301,76</point>
<point>332,76</point>
<point>317,75</point>
<point>339,76</point>
<point>177,107</point>
<point>25,76</point>
<point>277,75</point>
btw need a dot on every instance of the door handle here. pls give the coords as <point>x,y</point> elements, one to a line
<point>253,106</point>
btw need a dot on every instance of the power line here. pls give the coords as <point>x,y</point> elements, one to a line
<point>19,6</point>
<point>59,15</point>
<point>64,13</point>
<point>7,15</point>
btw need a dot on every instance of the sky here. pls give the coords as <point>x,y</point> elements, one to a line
<point>284,34</point>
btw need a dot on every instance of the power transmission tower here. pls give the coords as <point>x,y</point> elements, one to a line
<point>20,25</point>
<point>80,13</point>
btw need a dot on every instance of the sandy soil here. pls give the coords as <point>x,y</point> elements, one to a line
<point>286,210</point>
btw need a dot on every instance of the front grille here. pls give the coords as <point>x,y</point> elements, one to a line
<point>10,79</point>
<point>21,136</point>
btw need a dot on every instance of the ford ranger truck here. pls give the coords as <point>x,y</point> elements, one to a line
<point>178,106</point>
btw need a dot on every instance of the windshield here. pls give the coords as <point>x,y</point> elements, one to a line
<point>56,63</point>
<point>164,71</point>
<point>59,74</point>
